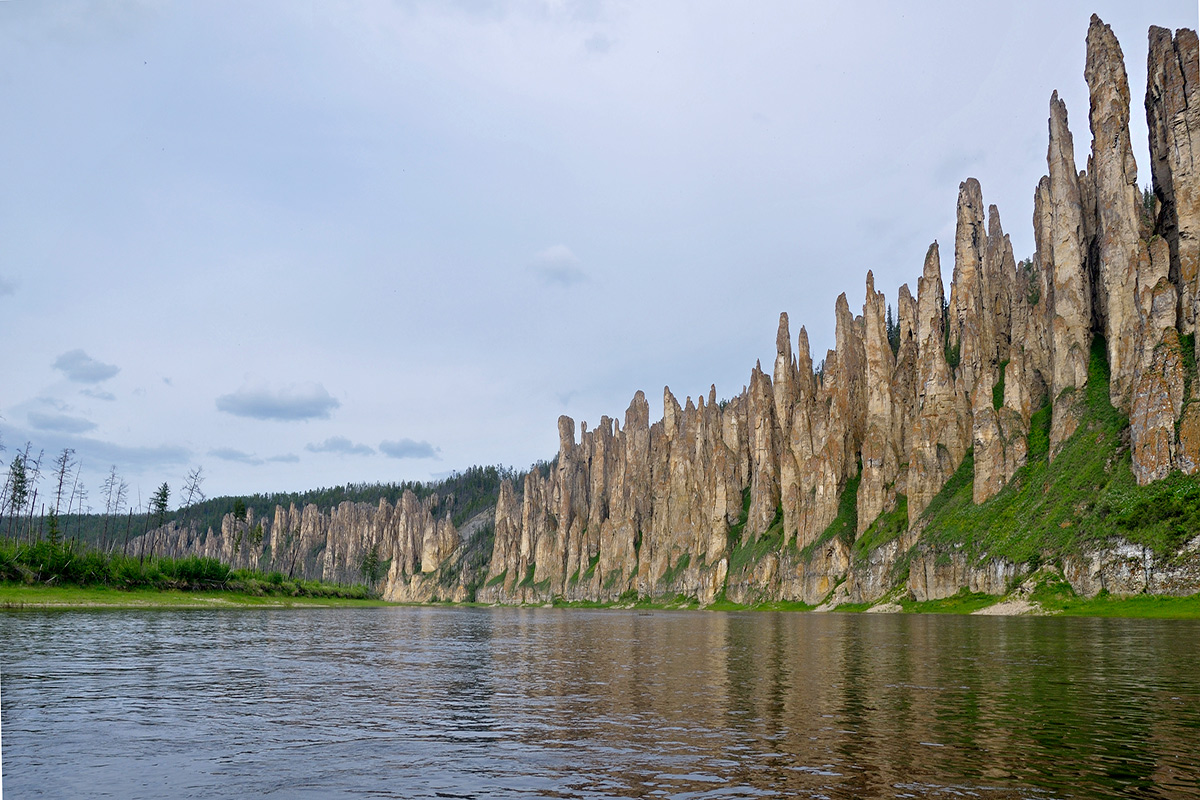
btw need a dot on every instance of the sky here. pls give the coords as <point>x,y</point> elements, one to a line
<point>302,244</point>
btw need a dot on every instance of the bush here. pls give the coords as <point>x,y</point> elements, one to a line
<point>51,563</point>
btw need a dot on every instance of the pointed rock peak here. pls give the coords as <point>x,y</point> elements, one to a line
<point>1105,60</point>
<point>970,199</point>
<point>638,413</point>
<point>758,366</point>
<point>712,395</point>
<point>566,434</point>
<point>689,406</point>
<point>804,360</point>
<point>843,306</point>
<point>994,227</point>
<point>904,294</point>
<point>668,398</point>
<point>870,284</point>
<point>783,339</point>
<point>933,263</point>
<point>1058,120</point>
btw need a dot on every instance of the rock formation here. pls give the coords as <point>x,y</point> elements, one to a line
<point>894,412</point>
<point>765,494</point>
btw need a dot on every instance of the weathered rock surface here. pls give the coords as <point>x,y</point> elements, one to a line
<point>1118,202</point>
<point>1071,306</point>
<point>414,538</point>
<point>1173,116</point>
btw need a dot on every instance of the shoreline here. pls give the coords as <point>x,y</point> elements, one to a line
<point>44,598</point>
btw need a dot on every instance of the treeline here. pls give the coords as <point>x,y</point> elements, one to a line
<point>464,494</point>
<point>46,499</point>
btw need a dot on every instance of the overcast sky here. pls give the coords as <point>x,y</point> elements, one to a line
<point>302,244</point>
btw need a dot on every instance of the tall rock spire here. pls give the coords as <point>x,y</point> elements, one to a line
<point>1118,203</point>
<point>1070,300</point>
<point>1173,116</point>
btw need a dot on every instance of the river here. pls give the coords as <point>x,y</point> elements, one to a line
<point>564,703</point>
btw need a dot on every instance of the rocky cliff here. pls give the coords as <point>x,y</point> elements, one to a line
<point>411,550</point>
<point>834,480</point>
<point>749,497</point>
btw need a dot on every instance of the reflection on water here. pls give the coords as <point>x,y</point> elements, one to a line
<point>431,702</point>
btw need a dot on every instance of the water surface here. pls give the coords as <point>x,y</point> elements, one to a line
<point>490,703</point>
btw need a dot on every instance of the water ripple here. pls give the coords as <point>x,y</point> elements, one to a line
<point>483,703</point>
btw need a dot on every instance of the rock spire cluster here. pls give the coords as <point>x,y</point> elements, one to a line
<point>662,507</point>
<point>689,504</point>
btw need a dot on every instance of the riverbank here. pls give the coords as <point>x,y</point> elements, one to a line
<point>20,596</point>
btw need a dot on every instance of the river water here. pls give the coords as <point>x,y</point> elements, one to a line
<point>466,703</point>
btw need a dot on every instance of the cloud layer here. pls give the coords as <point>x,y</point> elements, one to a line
<point>290,404</point>
<point>230,454</point>
<point>78,366</point>
<point>408,448</point>
<point>63,423</point>
<point>340,445</point>
<point>558,266</point>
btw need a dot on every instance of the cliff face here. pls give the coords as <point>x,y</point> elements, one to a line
<point>412,550</point>
<point>676,507</point>
<point>813,479</point>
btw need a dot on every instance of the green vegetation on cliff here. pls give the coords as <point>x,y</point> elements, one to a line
<point>1086,495</point>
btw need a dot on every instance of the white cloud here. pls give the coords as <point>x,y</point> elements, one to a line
<point>63,423</point>
<point>341,446</point>
<point>78,366</point>
<point>557,265</point>
<point>230,454</point>
<point>289,404</point>
<point>408,448</point>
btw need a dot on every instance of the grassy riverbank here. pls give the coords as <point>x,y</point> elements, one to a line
<point>17,596</point>
<point>23,596</point>
<point>64,574</point>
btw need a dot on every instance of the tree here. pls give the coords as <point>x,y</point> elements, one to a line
<point>893,331</point>
<point>192,493</point>
<point>239,523</point>
<point>371,567</point>
<point>158,504</point>
<point>109,488</point>
<point>64,464</point>
<point>18,490</point>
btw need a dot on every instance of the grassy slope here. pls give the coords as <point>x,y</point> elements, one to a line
<point>1087,495</point>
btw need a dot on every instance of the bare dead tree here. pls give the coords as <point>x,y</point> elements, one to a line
<point>192,493</point>
<point>33,474</point>
<point>79,494</point>
<point>109,488</point>
<point>64,464</point>
<point>122,497</point>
